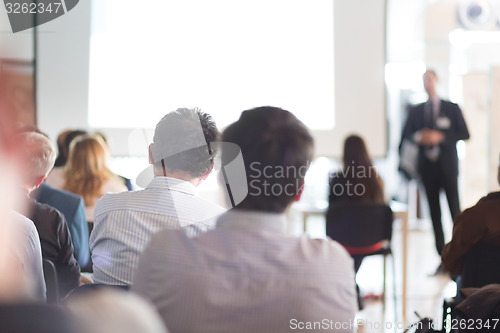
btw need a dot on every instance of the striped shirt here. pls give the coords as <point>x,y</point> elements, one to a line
<point>248,276</point>
<point>125,222</point>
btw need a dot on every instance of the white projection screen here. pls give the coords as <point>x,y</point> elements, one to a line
<point>323,60</point>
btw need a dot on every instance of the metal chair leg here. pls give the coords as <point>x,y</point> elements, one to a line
<point>394,289</point>
<point>383,290</point>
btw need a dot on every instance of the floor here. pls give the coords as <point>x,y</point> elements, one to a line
<point>425,292</point>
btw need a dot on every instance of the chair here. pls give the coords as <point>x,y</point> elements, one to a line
<point>34,317</point>
<point>51,281</point>
<point>357,224</point>
<point>480,267</point>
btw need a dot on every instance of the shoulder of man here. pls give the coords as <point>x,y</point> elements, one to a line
<point>116,201</point>
<point>492,197</point>
<point>448,104</point>
<point>56,197</point>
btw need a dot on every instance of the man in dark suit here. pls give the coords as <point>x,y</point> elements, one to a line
<point>436,126</point>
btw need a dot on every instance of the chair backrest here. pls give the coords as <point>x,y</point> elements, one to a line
<point>51,281</point>
<point>481,266</point>
<point>359,224</point>
<point>35,317</point>
<point>93,287</point>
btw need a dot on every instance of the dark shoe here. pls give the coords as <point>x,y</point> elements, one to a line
<point>361,303</point>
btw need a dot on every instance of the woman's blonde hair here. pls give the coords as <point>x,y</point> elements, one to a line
<point>86,170</point>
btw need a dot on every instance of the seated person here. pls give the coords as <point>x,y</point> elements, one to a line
<point>87,175</point>
<point>70,205</point>
<point>56,175</point>
<point>126,181</point>
<point>21,277</point>
<point>36,151</point>
<point>249,275</point>
<point>358,181</point>
<point>480,223</point>
<point>73,209</point>
<point>124,222</point>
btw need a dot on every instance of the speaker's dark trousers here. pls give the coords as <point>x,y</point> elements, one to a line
<point>434,179</point>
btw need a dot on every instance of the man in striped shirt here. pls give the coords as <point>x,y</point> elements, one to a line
<point>248,275</point>
<point>181,158</point>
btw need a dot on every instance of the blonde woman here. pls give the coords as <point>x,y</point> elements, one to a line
<point>87,174</point>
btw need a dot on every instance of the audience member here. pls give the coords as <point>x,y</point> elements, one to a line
<point>108,310</point>
<point>55,238</point>
<point>21,278</point>
<point>73,209</point>
<point>21,275</point>
<point>86,173</point>
<point>358,181</point>
<point>61,157</point>
<point>71,206</point>
<point>480,223</point>
<point>56,176</point>
<point>248,275</point>
<point>124,223</point>
<point>125,180</point>
<point>20,251</point>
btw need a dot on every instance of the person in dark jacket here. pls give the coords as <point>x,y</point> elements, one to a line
<point>436,126</point>
<point>35,151</point>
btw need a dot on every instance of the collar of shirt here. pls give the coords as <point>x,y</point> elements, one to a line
<point>252,221</point>
<point>172,184</point>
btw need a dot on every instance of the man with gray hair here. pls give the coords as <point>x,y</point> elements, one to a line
<point>37,155</point>
<point>181,157</point>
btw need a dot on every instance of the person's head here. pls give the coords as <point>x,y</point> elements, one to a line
<point>110,310</point>
<point>64,142</point>
<point>37,155</point>
<point>277,149</point>
<point>430,81</point>
<point>86,169</point>
<point>355,152</point>
<point>61,158</point>
<point>359,173</point>
<point>181,145</point>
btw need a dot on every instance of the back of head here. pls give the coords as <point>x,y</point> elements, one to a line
<point>68,138</point>
<point>61,158</point>
<point>277,149</point>
<point>355,152</point>
<point>361,179</point>
<point>37,155</point>
<point>182,140</point>
<point>108,310</point>
<point>86,169</point>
